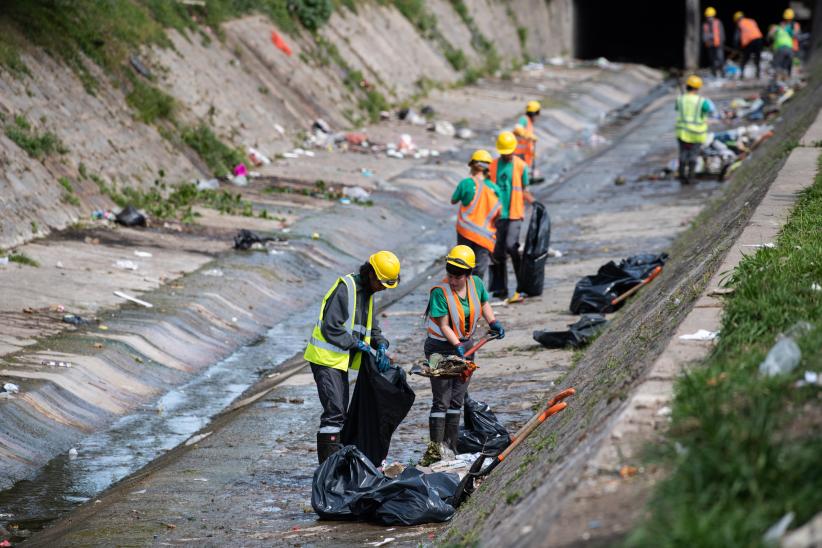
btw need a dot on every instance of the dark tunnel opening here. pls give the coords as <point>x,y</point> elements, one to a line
<point>654,32</point>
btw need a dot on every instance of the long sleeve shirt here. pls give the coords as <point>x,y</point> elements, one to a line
<point>336,320</point>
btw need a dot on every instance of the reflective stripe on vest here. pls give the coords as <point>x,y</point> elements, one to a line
<point>456,313</point>
<point>475,221</point>
<point>516,208</point>
<point>322,352</point>
<point>713,37</point>
<point>691,125</point>
<point>748,31</point>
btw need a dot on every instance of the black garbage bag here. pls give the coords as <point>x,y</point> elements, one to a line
<point>577,336</point>
<point>595,293</point>
<point>338,481</point>
<point>379,404</point>
<point>482,432</point>
<point>245,239</point>
<point>640,266</point>
<point>129,216</point>
<point>535,252</point>
<point>410,499</point>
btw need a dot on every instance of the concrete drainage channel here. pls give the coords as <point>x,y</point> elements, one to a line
<point>142,352</point>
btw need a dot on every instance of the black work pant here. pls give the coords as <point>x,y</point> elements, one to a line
<point>482,255</point>
<point>448,393</point>
<point>332,387</point>
<point>507,245</point>
<point>716,59</point>
<point>752,51</point>
<point>688,153</point>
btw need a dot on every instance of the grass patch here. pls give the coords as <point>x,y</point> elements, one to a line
<point>219,157</point>
<point>149,102</point>
<point>21,258</point>
<point>37,145</point>
<point>164,202</point>
<point>749,446</point>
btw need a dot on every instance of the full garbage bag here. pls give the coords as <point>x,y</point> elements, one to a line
<point>347,486</point>
<point>482,432</point>
<point>535,252</point>
<point>379,404</point>
<point>129,216</point>
<point>577,335</point>
<point>595,293</point>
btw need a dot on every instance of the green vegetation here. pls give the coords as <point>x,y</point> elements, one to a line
<point>149,102</point>
<point>219,157</point>
<point>745,449</point>
<point>37,145</point>
<point>21,258</point>
<point>160,202</point>
<point>69,196</point>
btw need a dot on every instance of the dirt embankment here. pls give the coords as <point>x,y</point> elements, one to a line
<point>249,91</point>
<point>523,503</point>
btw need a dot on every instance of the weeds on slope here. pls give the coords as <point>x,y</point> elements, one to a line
<point>744,449</point>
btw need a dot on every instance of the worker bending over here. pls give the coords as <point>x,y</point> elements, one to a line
<point>479,209</point>
<point>454,308</point>
<point>749,38</point>
<point>692,112</point>
<point>347,326</point>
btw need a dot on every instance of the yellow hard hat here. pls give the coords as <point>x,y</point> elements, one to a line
<point>482,156</point>
<point>788,14</point>
<point>386,266</point>
<point>506,143</point>
<point>710,12</point>
<point>694,81</point>
<point>738,15</point>
<point>461,256</point>
<point>532,106</point>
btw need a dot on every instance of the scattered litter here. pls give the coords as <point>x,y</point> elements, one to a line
<point>577,335</point>
<point>664,411</point>
<point>129,216</point>
<point>383,542</point>
<point>196,439</point>
<point>99,214</point>
<point>628,471</point>
<point>280,129</point>
<point>811,377</point>
<point>72,453</point>
<point>139,66</point>
<point>240,175</point>
<point>356,193</point>
<point>482,431</point>
<point>140,492</point>
<point>554,252</point>
<point>11,388</point>
<point>280,43</point>
<point>769,245</point>
<point>126,265</point>
<point>315,235</point>
<point>246,239</point>
<point>55,363</point>
<point>464,133</point>
<point>4,261</point>
<point>599,293</point>
<point>74,319</point>
<point>782,358</point>
<point>214,272</point>
<point>321,125</point>
<point>367,172</point>
<point>816,287</point>
<point>345,201</point>
<point>132,299</point>
<point>556,61</point>
<point>393,470</point>
<point>257,158</point>
<point>143,254</point>
<point>208,184</point>
<point>406,144</point>
<point>700,335</point>
<point>102,327</point>
<point>443,127</point>
<point>778,529</point>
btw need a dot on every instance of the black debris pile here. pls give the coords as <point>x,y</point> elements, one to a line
<point>129,216</point>
<point>482,432</point>
<point>578,334</point>
<point>596,293</point>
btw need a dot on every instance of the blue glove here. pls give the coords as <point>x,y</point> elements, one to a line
<point>383,363</point>
<point>363,347</point>
<point>460,350</point>
<point>497,328</point>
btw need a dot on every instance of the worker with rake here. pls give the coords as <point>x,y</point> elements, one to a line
<point>454,308</point>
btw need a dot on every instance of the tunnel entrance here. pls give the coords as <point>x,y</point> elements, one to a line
<point>646,31</point>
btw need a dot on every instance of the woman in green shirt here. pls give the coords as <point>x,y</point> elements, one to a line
<point>454,308</point>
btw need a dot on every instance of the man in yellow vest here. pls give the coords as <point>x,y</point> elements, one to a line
<point>479,208</point>
<point>781,37</point>
<point>511,177</point>
<point>749,38</point>
<point>526,138</point>
<point>713,38</point>
<point>692,112</point>
<point>347,326</point>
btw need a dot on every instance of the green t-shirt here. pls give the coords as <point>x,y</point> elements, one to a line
<point>523,121</point>
<point>438,306</point>
<point>465,190</point>
<point>505,172</point>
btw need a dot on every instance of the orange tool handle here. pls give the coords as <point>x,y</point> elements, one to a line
<point>553,401</point>
<point>654,273</point>
<point>553,410</point>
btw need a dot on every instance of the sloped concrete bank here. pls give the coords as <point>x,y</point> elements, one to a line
<point>545,491</point>
<point>199,319</point>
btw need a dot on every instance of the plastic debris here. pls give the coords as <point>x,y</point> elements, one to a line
<point>482,431</point>
<point>74,319</point>
<point>356,193</point>
<point>129,216</point>
<point>11,388</point>
<point>315,235</point>
<point>628,471</point>
<point>443,127</point>
<point>782,358</point>
<point>577,335</point>
<point>132,299</point>
<point>208,184</point>
<point>464,133</point>
<point>700,335</point>
<point>383,542</point>
<point>196,439</point>
<point>56,363</point>
<point>126,265</point>
<point>406,143</point>
<point>280,43</point>
<point>99,214</point>
<point>72,453</point>
<point>4,261</point>
<point>554,252</point>
<point>214,273</point>
<point>257,158</point>
<point>778,529</point>
<point>816,287</point>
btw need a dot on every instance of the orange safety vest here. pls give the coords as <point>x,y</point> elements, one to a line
<point>456,313</point>
<point>525,147</point>
<point>748,31</point>
<point>516,209</point>
<point>795,36</point>
<point>475,221</point>
<point>715,35</point>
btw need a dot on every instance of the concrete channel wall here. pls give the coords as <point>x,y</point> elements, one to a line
<point>199,319</point>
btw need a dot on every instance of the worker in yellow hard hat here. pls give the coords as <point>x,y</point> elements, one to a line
<point>479,208</point>
<point>713,39</point>
<point>347,327</point>
<point>791,27</point>
<point>526,138</point>
<point>454,308</point>
<point>748,37</point>
<point>692,112</point>
<point>510,173</point>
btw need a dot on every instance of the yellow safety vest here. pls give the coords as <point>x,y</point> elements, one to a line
<point>320,351</point>
<point>691,122</point>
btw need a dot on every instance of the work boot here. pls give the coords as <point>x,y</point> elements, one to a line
<point>436,431</point>
<point>452,431</point>
<point>327,445</point>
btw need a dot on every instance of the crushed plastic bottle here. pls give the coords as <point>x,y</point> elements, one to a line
<point>784,356</point>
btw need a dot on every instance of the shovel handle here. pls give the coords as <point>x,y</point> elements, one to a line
<point>553,401</point>
<point>553,410</point>
<point>654,273</point>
